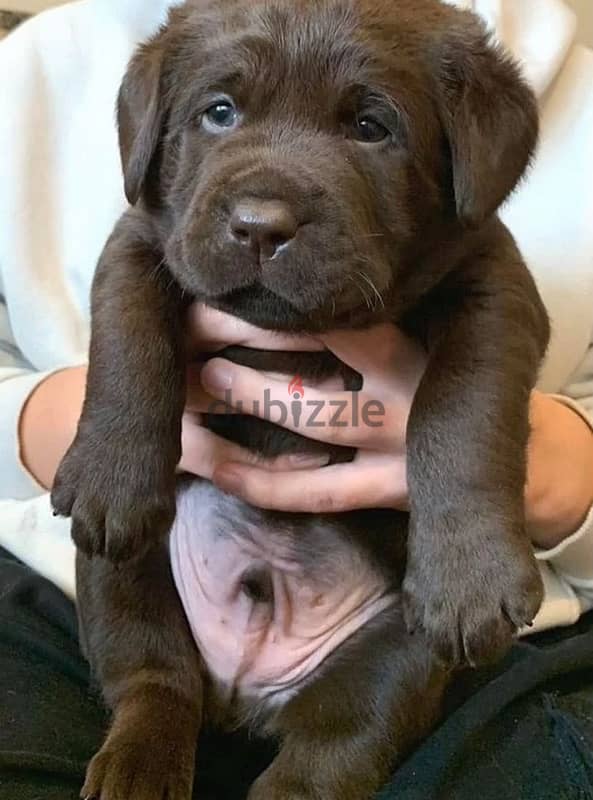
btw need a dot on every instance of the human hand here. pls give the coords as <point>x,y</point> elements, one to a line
<point>373,420</point>
<point>209,331</point>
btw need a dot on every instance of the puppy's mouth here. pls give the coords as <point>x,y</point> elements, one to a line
<point>262,307</point>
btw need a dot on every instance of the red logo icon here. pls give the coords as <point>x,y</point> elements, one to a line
<point>295,388</point>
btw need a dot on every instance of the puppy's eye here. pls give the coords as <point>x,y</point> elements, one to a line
<point>368,130</point>
<point>220,117</point>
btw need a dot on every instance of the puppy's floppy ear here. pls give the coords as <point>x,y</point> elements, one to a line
<point>489,115</point>
<point>140,116</point>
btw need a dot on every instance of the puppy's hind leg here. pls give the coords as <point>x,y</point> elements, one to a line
<point>374,700</point>
<point>142,653</point>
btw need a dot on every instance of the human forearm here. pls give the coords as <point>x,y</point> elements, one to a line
<point>559,491</point>
<point>48,422</point>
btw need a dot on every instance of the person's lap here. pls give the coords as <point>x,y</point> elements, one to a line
<point>524,731</point>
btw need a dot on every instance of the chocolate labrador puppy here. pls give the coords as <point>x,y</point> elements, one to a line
<point>280,158</point>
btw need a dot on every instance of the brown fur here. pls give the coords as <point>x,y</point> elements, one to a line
<point>416,215</point>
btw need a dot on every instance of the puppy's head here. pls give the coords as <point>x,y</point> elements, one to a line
<point>300,156</point>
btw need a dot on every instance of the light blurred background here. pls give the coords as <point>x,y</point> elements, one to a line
<point>584,9</point>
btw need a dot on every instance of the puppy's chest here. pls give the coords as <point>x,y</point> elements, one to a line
<point>266,606</point>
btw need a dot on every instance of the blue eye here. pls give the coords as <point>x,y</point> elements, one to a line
<point>220,116</point>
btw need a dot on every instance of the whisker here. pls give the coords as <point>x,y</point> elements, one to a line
<point>377,293</point>
<point>362,291</point>
<point>156,269</point>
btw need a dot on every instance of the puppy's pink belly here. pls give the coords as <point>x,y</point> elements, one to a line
<point>263,614</point>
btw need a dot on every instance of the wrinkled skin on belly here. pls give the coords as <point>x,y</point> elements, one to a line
<point>267,605</point>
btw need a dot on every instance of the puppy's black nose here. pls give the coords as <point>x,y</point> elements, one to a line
<point>263,225</point>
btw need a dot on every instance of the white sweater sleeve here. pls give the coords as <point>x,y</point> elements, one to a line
<point>61,192</point>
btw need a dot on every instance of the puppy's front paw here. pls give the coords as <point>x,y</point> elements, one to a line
<point>120,494</point>
<point>131,770</point>
<point>471,598</point>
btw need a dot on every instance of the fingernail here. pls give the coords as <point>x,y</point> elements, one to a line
<point>217,376</point>
<point>228,480</point>
<point>308,461</point>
